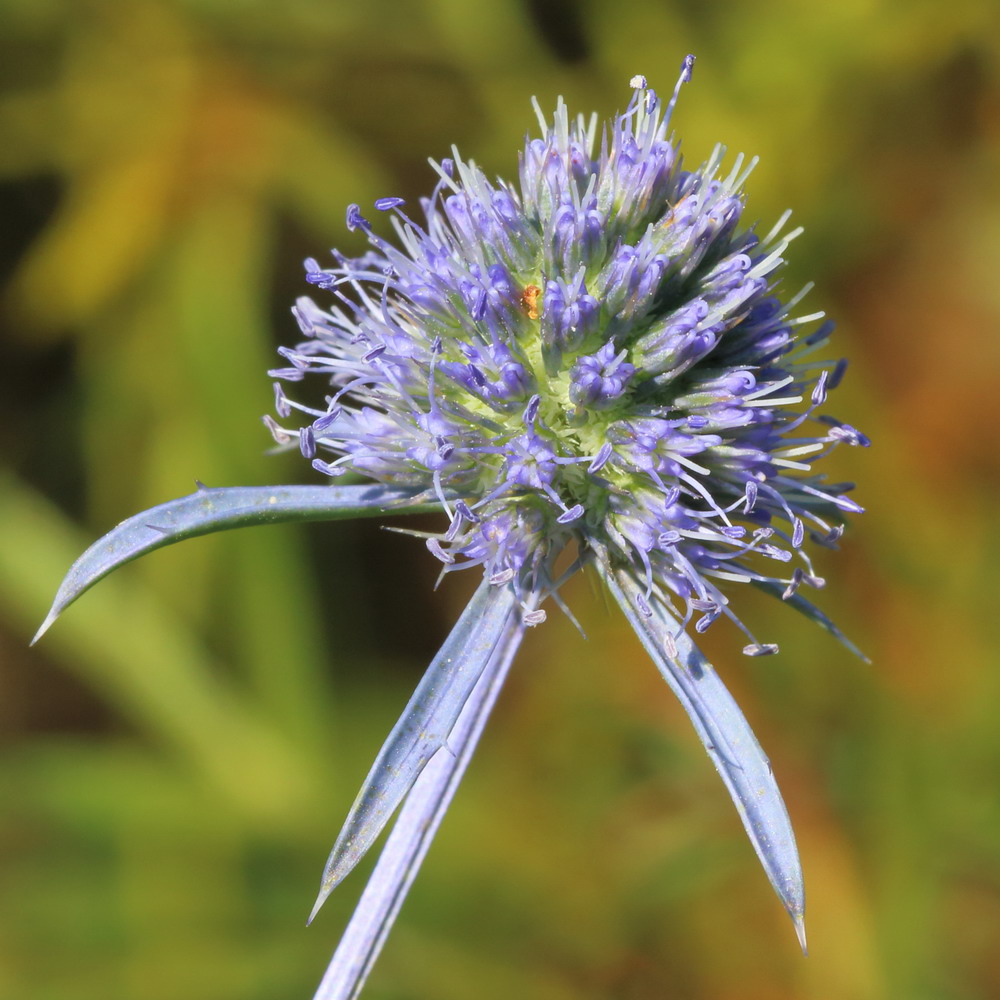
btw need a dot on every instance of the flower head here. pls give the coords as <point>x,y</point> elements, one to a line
<point>595,357</point>
<point>595,354</point>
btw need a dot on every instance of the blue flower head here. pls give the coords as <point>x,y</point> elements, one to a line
<point>593,355</point>
<point>594,358</point>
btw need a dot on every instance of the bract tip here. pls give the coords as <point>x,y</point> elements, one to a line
<point>320,900</point>
<point>800,932</point>
<point>44,627</point>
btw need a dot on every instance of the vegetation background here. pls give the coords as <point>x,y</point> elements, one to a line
<point>179,752</point>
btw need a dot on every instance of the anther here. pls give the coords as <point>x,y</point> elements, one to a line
<point>574,513</point>
<point>355,220</point>
<point>531,410</point>
<point>600,458</point>
<point>462,508</point>
<point>798,533</point>
<point>439,552</point>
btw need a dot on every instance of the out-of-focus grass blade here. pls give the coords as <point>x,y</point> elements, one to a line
<point>423,727</point>
<point>811,612</point>
<point>414,830</point>
<point>218,509</point>
<point>727,736</point>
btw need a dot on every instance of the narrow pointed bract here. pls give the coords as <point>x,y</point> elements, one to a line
<point>209,510</point>
<point>423,727</point>
<point>591,366</point>
<point>811,612</point>
<point>414,830</point>
<point>723,730</point>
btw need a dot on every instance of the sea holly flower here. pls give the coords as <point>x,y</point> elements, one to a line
<point>593,360</point>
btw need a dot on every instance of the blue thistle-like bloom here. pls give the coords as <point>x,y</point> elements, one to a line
<point>596,356</point>
<point>594,359</point>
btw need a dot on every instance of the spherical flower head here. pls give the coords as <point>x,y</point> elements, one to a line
<point>595,354</point>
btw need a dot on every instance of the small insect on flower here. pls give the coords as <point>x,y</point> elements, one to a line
<point>592,359</point>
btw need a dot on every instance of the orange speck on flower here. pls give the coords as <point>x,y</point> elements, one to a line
<point>529,300</point>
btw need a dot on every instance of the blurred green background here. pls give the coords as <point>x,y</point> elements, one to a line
<point>180,750</point>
